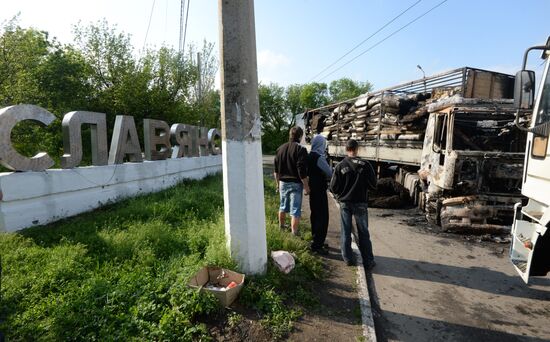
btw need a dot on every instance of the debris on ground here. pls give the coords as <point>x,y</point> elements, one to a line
<point>224,284</point>
<point>283,260</point>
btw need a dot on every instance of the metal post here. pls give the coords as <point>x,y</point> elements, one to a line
<point>199,80</point>
<point>241,137</point>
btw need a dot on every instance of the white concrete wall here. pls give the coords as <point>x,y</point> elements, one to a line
<point>35,198</point>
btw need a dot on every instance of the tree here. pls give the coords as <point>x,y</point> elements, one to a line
<point>346,88</point>
<point>314,95</point>
<point>276,119</point>
<point>159,85</point>
<point>40,71</point>
<point>204,97</point>
<point>293,101</point>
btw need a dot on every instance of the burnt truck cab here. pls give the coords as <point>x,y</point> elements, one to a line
<point>449,140</point>
<point>530,248</point>
<point>472,163</point>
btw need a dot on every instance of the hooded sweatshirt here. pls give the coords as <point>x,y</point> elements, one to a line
<point>318,145</point>
<point>318,169</point>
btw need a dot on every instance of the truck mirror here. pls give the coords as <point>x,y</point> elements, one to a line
<point>524,89</point>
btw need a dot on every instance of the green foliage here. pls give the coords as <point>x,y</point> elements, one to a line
<point>101,73</point>
<point>120,272</point>
<point>314,95</point>
<point>117,273</point>
<point>276,119</point>
<point>346,88</point>
<point>278,106</point>
<point>277,296</point>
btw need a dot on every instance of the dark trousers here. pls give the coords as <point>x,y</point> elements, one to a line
<point>318,203</point>
<point>360,212</point>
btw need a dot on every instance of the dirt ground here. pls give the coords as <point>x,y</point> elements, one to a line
<point>444,287</point>
<point>338,316</point>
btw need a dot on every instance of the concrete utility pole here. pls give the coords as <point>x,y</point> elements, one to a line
<point>241,137</point>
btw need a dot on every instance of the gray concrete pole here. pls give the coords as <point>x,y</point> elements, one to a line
<point>241,137</point>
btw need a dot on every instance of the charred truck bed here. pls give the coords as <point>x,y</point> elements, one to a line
<point>449,141</point>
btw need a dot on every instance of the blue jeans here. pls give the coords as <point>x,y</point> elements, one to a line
<point>360,211</point>
<point>291,198</point>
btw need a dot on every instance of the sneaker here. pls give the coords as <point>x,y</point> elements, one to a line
<point>284,226</point>
<point>320,251</point>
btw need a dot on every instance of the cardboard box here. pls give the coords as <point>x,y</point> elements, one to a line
<point>218,276</point>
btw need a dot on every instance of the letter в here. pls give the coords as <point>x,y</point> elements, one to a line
<point>125,141</point>
<point>152,140</point>
<point>9,157</point>
<point>213,146</point>
<point>72,138</point>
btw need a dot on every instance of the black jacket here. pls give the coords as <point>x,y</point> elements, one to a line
<point>317,178</point>
<point>291,162</point>
<point>351,180</point>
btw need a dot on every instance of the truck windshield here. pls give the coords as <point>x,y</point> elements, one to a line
<point>543,114</point>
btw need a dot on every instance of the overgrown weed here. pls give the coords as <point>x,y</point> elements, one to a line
<point>120,272</point>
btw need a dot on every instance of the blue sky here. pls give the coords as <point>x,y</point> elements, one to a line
<point>296,39</point>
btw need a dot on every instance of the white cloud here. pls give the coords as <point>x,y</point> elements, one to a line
<point>270,59</point>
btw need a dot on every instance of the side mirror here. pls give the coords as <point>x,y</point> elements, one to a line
<point>524,89</point>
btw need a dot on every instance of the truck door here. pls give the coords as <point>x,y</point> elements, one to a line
<point>530,249</point>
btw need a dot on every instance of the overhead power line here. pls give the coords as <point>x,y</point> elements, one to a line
<point>149,24</point>
<point>385,38</point>
<point>365,40</point>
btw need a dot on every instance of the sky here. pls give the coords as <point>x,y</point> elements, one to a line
<point>297,39</point>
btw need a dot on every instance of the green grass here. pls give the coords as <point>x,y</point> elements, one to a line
<point>120,273</point>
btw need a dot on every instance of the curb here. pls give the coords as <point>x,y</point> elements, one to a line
<point>364,299</point>
<point>367,319</point>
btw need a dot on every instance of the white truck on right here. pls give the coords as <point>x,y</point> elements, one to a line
<point>530,247</point>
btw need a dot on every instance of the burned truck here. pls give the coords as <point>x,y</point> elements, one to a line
<point>448,141</point>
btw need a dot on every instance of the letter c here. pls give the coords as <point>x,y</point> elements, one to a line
<point>9,157</point>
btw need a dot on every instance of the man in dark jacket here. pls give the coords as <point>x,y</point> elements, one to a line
<point>351,180</point>
<point>291,177</point>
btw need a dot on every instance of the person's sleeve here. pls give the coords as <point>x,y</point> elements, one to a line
<point>276,163</point>
<point>335,182</point>
<point>371,176</point>
<point>323,165</point>
<point>301,163</point>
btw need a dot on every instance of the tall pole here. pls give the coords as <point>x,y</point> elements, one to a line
<point>199,87</point>
<point>243,188</point>
<point>199,80</point>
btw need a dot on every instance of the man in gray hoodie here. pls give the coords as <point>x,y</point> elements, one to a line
<point>319,173</point>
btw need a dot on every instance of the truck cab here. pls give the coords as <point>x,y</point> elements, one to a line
<point>530,248</point>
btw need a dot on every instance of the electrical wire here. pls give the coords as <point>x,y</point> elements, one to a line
<point>149,24</point>
<point>386,38</point>
<point>365,40</point>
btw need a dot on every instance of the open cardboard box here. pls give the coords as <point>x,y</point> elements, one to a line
<point>221,276</point>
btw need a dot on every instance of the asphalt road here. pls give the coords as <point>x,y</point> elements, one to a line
<point>441,287</point>
<point>429,286</point>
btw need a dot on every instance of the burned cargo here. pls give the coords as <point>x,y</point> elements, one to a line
<point>449,139</point>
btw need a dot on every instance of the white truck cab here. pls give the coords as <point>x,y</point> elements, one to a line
<point>530,248</point>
